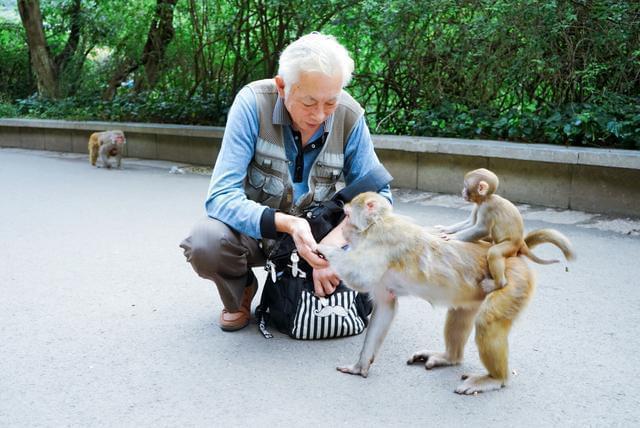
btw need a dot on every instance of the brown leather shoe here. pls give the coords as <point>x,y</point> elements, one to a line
<point>232,321</point>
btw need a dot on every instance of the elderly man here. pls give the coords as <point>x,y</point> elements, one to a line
<point>287,141</point>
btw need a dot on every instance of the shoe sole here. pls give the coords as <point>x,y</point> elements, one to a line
<point>234,328</point>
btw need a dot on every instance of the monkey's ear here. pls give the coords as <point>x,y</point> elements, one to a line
<point>371,205</point>
<point>483,188</point>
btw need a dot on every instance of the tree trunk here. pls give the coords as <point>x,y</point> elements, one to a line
<point>161,32</point>
<point>73,41</point>
<point>43,64</point>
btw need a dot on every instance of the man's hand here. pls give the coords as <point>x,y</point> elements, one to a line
<point>325,281</point>
<point>300,231</point>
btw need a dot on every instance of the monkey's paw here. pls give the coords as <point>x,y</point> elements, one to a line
<point>474,384</point>
<point>431,359</point>
<point>355,369</point>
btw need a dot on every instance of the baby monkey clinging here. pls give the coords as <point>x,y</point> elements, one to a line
<point>493,218</point>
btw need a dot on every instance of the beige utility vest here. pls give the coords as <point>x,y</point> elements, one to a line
<point>268,179</point>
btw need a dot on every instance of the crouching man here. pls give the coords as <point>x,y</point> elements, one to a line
<point>287,141</point>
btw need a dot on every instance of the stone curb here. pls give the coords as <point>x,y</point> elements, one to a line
<point>579,178</point>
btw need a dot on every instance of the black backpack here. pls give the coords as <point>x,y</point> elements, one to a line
<point>288,301</point>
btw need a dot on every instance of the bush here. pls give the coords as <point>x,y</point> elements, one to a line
<point>152,106</point>
<point>8,110</point>
<point>615,124</point>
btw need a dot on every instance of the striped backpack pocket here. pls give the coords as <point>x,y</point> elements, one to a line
<point>323,318</point>
<point>289,305</point>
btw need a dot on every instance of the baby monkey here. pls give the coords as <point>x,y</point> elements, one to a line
<point>493,218</point>
<point>105,145</point>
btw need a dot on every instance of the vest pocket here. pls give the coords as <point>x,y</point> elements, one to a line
<point>328,171</point>
<point>329,166</point>
<point>323,191</point>
<point>263,187</point>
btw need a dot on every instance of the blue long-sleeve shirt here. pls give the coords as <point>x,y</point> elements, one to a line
<point>226,199</point>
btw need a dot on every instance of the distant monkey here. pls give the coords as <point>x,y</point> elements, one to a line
<point>390,256</point>
<point>493,218</point>
<point>105,145</point>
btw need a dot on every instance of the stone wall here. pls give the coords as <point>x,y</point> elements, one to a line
<point>593,180</point>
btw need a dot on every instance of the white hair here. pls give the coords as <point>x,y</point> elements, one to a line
<point>315,52</point>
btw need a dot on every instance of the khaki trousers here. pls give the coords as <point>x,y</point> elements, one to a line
<point>225,256</point>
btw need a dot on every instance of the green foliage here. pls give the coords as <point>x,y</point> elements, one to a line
<point>544,71</point>
<point>8,110</point>
<point>565,72</point>
<point>16,80</point>
<point>152,106</point>
<point>610,125</point>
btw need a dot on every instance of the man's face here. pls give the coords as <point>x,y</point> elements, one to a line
<point>311,100</point>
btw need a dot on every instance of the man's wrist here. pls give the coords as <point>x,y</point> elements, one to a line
<point>285,222</point>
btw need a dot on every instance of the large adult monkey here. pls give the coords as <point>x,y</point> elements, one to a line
<point>494,218</point>
<point>105,145</point>
<point>390,256</point>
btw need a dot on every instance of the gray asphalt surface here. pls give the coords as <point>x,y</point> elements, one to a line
<point>103,323</point>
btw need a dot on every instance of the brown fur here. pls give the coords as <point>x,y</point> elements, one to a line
<point>391,256</point>
<point>494,218</point>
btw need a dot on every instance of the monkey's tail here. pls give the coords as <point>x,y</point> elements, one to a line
<point>526,251</point>
<point>547,236</point>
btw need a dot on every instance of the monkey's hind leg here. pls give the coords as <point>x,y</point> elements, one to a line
<point>497,263</point>
<point>493,346</point>
<point>94,145</point>
<point>493,325</point>
<point>119,158</point>
<point>456,333</point>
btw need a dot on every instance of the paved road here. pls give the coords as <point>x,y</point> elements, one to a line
<point>102,323</point>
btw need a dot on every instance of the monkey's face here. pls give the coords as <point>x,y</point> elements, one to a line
<point>471,195</point>
<point>465,193</point>
<point>349,229</point>
<point>470,191</point>
<point>355,220</point>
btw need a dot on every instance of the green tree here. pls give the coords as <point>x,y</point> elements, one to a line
<point>46,66</point>
<point>559,71</point>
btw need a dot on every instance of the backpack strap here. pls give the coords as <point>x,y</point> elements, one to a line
<point>373,181</point>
